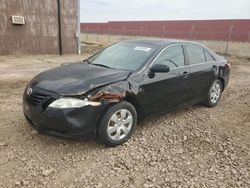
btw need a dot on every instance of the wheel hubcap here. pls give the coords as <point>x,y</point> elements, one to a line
<point>120,124</point>
<point>215,93</point>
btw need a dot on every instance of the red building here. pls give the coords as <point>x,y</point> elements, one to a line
<point>194,29</point>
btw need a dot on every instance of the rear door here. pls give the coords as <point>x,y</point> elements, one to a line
<point>201,69</point>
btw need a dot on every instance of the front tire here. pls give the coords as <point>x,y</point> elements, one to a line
<point>117,124</point>
<point>214,94</point>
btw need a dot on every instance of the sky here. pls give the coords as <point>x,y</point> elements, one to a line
<point>131,10</point>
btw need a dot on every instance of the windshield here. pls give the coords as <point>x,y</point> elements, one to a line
<point>122,56</point>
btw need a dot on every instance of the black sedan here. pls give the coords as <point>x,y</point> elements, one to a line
<point>105,95</point>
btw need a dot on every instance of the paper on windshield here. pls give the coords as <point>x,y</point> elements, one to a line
<point>141,48</point>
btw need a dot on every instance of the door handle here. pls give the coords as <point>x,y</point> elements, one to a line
<point>185,74</point>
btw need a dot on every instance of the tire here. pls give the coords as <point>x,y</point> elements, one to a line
<point>117,124</point>
<point>214,94</point>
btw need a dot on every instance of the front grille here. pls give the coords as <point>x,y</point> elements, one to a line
<point>39,98</point>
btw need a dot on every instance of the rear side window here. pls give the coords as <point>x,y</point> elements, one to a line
<point>208,56</point>
<point>172,57</point>
<point>196,54</point>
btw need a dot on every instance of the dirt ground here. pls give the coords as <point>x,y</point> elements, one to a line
<point>192,147</point>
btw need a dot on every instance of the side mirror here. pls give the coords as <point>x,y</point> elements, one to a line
<point>158,68</point>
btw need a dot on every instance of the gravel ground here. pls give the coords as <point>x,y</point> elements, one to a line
<point>192,147</point>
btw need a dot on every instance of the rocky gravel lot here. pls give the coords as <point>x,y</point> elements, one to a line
<point>192,147</point>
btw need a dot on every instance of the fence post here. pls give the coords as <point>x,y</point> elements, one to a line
<point>97,32</point>
<point>248,38</point>
<point>123,29</point>
<point>141,32</point>
<point>163,30</point>
<point>109,35</point>
<point>87,36</point>
<point>192,30</point>
<point>229,37</point>
<point>166,33</point>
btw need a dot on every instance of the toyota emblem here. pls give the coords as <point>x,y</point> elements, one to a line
<point>29,91</point>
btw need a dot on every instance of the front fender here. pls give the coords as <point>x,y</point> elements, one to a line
<point>114,92</point>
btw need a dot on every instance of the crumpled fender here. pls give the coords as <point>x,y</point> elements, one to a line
<point>113,93</point>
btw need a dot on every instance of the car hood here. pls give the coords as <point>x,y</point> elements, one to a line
<point>77,78</point>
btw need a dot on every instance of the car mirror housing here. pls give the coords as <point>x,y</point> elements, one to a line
<point>158,68</point>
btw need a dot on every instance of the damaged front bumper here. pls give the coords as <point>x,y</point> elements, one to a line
<point>70,122</point>
<point>68,116</point>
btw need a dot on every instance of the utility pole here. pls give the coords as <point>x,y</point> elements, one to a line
<point>59,26</point>
<point>78,30</point>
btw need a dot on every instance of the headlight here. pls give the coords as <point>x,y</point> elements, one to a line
<point>72,103</point>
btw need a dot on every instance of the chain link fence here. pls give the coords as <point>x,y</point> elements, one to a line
<point>224,42</point>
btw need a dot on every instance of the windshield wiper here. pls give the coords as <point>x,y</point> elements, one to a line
<point>100,65</point>
<point>85,61</point>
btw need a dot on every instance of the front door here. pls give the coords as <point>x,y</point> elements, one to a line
<point>166,91</point>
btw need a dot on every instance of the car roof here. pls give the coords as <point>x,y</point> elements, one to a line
<point>159,42</point>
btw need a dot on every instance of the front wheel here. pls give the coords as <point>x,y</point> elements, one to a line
<point>117,124</point>
<point>214,94</point>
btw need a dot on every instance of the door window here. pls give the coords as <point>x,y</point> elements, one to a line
<point>172,57</point>
<point>195,54</point>
<point>208,56</point>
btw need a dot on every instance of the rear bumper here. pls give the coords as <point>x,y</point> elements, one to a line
<point>68,123</point>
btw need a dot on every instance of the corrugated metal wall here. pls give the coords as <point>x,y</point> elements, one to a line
<point>196,29</point>
<point>39,35</point>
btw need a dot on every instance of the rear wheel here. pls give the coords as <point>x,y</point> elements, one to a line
<point>117,124</point>
<point>214,94</point>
